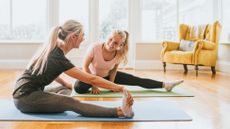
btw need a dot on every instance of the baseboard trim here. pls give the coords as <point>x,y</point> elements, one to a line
<point>13,64</point>
<point>222,66</point>
<point>158,65</point>
<point>154,65</point>
<point>21,63</point>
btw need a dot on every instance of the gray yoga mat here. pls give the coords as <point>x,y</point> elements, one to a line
<point>144,111</point>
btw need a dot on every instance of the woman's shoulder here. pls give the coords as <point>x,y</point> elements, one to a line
<point>57,52</point>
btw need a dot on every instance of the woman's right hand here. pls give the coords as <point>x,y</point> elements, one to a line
<point>95,90</point>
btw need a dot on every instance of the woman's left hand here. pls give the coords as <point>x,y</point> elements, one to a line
<point>95,90</point>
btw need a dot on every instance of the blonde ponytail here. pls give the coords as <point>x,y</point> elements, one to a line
<point>123,52</point>
<point>125,48</point>
<point>38,63</point>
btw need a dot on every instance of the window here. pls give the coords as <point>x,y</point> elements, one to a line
<point>113,14</point>
<point>225,34</point>
<point>23,20</point>
<point>75,9</point>
<point>195,12</point>
<point>5,19</point>
<point>159,20</point>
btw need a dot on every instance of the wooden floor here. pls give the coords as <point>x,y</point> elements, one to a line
<point>210,108</point>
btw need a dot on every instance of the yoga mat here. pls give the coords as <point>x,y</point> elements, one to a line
<point>139,92</point>
<point>144,111</point>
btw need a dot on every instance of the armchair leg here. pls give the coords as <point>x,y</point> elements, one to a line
<point>185,69</point>
<point>196,68</point>
<point>164,65</point>
<point>213,70</point>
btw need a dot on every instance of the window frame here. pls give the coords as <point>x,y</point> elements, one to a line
<point>11,28</point>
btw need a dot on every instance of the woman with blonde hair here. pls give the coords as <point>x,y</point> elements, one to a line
<point>29,95</point>
<point>103,59</point>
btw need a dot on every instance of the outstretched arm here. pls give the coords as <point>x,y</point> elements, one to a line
<point>93,80</point>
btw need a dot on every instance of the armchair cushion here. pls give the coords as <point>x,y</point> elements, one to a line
<point>186,45</point>
<point>179,57</point>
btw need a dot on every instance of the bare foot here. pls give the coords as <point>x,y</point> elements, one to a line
<point>170,85</point>
<point>127,103</point>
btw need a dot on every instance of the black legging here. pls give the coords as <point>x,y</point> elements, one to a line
<point>123,79</point>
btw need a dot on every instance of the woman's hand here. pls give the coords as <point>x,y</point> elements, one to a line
<point>95,90</point>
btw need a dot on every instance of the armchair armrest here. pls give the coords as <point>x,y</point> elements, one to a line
<point>208,45</point>
<point>168,46</point>
<point>202,45</point>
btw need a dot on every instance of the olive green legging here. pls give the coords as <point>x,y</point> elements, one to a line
<point>47,102</point>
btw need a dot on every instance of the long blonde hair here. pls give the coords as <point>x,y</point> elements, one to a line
<point>58,33</point>
<point>123,52</point>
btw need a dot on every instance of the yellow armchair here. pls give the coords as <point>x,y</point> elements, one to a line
<point>204,53</point>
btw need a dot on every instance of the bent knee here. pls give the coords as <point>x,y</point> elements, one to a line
<point>80,90</point>
<point>21,106</point>
<point>81,87</point>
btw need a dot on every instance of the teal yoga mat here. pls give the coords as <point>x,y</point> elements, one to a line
<point>140,92</point>
<point>144,111</point>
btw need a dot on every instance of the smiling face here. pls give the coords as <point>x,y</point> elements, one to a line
<point>114,43</point>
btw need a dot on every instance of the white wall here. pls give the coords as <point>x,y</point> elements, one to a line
<point>224,58</point>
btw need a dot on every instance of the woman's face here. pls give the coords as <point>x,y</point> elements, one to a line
<point>77,40</point>
<point>114,43</point>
